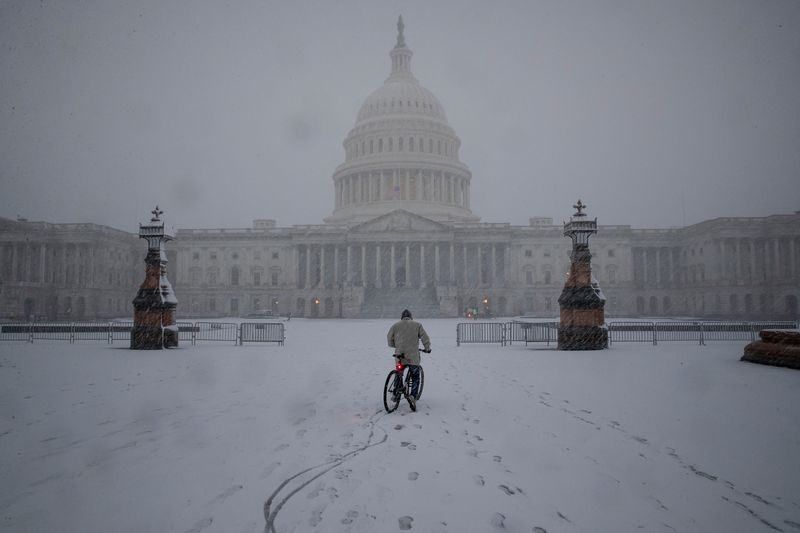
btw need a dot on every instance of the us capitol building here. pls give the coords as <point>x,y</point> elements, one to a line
<point>403,234</point>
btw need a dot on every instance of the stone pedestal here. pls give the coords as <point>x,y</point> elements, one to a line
<point>582,317</point>
<point>777,347</point>
<point>154,325</point>
<point>147,333</point>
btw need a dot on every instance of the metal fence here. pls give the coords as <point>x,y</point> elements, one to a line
<point>531,332</point>
<point>121,331</point>
<point>485,332</point>
<point>261,332</point>
<point>631,332</point>
<point>217,331</point>
<point>619,331</point>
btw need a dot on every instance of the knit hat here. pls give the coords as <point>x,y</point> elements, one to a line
<point>405,314</point>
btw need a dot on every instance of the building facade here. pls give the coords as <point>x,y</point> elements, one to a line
<point>402,234</point>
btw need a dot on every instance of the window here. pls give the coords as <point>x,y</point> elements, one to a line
<point>528,253</point>
<point>212,255</point>
<point>235,255</point>
<point>547,277</point>
<point>257,255</point>
<point>439,147</point>
<point>529,303</point>
<point>529,277</point>
<point>390,143</point>
<point>234,305</point>
<point>235,276</point>
<point>400,144</point>
<point>195,256</point>
<point>547,253</point>
<point>275,255</point>
<point>411,144</point>
<point>548,304</point>
<point>212,304</point>
<point>274,279</point>
<point>380,145</point>
<point>256,278</point>
<point>611,253</point>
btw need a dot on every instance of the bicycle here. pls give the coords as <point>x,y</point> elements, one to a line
<point>398,384</point>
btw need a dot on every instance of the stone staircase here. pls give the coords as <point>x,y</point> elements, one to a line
<point>390,302</point>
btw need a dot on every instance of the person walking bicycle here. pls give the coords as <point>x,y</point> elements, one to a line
<point>404,336</point>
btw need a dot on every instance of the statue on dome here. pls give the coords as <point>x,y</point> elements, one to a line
<point>401,40</point>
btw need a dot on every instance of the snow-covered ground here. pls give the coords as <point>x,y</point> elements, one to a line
<point>674,437</point>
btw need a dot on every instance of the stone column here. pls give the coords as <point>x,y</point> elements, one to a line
<point>363,265</point>
<point>479,262</point>
<point>465,277</point>
<point>378,282</point>
<point>752,247</point>
<point>792,258</point>
<point>321,265</point>
<point>436,273</point>
<point>452,265</point>
<point>308,266</point>
<point>407,280</point>
<point>42,259</point>
<point>347,279</point>
<point>392,280</point>
<point>336,265</point>
<point>777,255</point>
<point>737,271</point>
<point>494,265</point>
<point>422,280</point>
<point>658,267</point>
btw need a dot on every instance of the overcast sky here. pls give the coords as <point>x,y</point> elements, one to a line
<point>654,112</point>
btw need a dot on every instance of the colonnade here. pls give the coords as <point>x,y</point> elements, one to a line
<point>757,259</point>
<point>402,184</point>
<point>737,260</point>
<point>401,264</point>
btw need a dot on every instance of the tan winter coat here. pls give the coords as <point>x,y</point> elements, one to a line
<point>404,337</point>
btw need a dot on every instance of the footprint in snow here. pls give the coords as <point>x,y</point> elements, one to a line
<point>316,516</point>
<point>479,480</point>
<point>497,521</point>
<point>497,459</point>
<point>398,427</point>
<point>537,529</point>
<point>349,517</point>
<point>412,476</point>
<point>505,489</point>
<point>405,522</point>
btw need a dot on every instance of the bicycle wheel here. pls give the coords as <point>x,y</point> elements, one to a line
<point>421,382</point>
<point>392,392</point>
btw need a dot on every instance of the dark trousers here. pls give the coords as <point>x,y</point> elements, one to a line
<point>413,371</point>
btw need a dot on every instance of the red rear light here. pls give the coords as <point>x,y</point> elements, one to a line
<point>399,366</point>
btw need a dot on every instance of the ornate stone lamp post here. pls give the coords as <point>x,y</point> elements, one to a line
<point>582,325</point>
<point>154,324</point>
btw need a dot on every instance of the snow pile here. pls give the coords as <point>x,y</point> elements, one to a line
<point>675,437</point>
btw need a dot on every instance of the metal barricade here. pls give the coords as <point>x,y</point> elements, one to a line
<point>623,331</point>
<point>90,331</point>
<point>679,331</point>
<point>728,331</point>
<point>15,331</point>
<point>480,332</point>
<point>56,331</point>
<point>186,331</point>
<point>120,330</point>
<point>261,332</point>
<point>531,332</point>
<point>217,331</point>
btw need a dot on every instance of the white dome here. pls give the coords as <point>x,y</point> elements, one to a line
<point>401,154</point>
<point>404,97</point>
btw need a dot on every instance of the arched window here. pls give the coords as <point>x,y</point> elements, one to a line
<point>235,276</point>
<point>400,144</point>
<point>380,145</point>
<point>439,147</point>
<point>390,144</point>
<point>411,144</point>
<point>430,146</point>
<point>371,146</point>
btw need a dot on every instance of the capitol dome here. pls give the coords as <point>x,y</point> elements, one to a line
<point>402,154</point>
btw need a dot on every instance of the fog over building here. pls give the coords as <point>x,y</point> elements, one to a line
<point>403,234</point>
